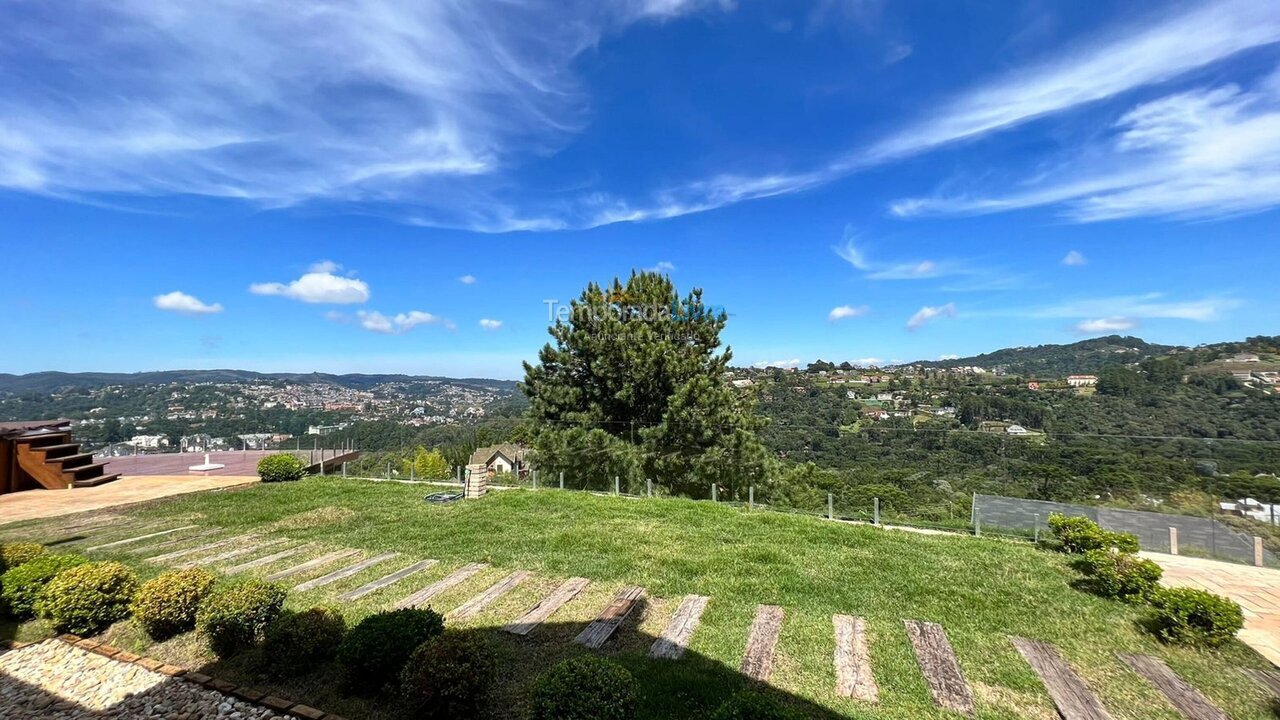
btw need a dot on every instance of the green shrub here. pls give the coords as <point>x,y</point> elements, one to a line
<point>166,605</point>
<point>749,705</point>
<point>298,642</point>
<point>14,554</point>
<point>1123,576</point>
<point>447,677</point>
<point>376,650</point>
<point>1195,617</point>
<point>585,688</point>
<point>234,617</point>
<point>88,598</point>
<point>20,586</point>
<point>281,467</point>
<point>1079,534</point>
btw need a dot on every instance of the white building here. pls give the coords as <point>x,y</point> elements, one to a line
<point>149,442</point>
<point>1082,380</point>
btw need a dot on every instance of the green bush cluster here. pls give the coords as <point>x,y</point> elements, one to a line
<point>20,586</point>
<point>233,618</point>
<point>748,705</point>
<point>88,598</point>
<point>585,688</point>
<point>1195,617</point>
<point>281,467</point>
<point>298,642</point>
<point>448,677</point>
<point>166,605</point>
<point>1078,534</point>
<point>1123,576</point>
<point>14,554</point>
<point>376,650</point>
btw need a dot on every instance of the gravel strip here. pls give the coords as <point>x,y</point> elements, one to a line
<point>52,680</point>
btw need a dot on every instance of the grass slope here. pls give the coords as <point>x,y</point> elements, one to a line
<point>982,591</point>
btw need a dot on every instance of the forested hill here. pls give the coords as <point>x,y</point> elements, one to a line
<point>51,382</point>
<point>1086,356</point>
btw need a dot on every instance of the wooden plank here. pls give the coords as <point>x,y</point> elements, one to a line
<point>1268,679</point>
<point>173,542</point>
<point>321,561</point>
<point>675,638</point>
<point>610,619</point>
<point>1188,700</point>
<point>1070,694</point>
<point>939,665</point>
<point>230,554</point>
<point>450,581</point>
<point>128,541</point>
<point>757,661</point>
<point>536,615</point>
<point>853,660</point>
<point>391,579</point>
<point>195,550</point>
<point>267,560</point>
<point>472,607</point>
<point>344,573</point>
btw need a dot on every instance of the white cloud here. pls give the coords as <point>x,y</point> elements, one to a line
<point>375,321</point>
<point>909,270</point>
<point>1075,258</point>
<point>324,266</point>
<point>928,313</point>
<point>1105,325</point>
<point>467,279</point>
<point>949,356</point>
<point>334,316</point>
<point>1148,306</point>
<point>488,324</point>
<point>181,302</point>
<point>868,361</point>
<point>793,362</point>
<point>318,285</point>
<point>846,311</point>
<point>663,266</point>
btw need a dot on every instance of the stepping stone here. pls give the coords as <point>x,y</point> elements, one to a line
<point>472,607</point>
<point>231,554</point>
<point>1070,694</point>
<point>547,606</point>
<point>195,550</point>
<point>266,560</point>
<point>602,628</point>
<point>448,582</point>
<point>131,540</point>
<point>173,542</point>
<point>675,638</point>
<point>757,661</point>
<point>853,660</point>
<point>344,573</point>
<point>1268,679</point>
<point>939,665</point>
<point>313,564</point>
<point>391,579</point>
<point>1188,700</point>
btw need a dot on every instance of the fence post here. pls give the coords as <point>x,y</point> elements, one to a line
<point>1173,541</point>
<point>321,463</point>
<point>831,507</point>
<point>460,480</point>
<point>977,524</point>
<point>412,475</point>
<point>1036,524</point>
<point>617,486</point>
<point>535,479</point>
<point>648,486</point>
<point>561,479</point>
<point>876,509</point>
<point>715,493</point>
<point>1257,551</point>
<point>388,471</point>
<point>973,510</point>
<point>751,497</point>
<point>344,469</point>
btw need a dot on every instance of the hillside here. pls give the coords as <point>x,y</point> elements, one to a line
<point>54,382</point>
<point>1049,361</point>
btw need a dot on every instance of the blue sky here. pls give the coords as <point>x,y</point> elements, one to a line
<point>374,187</point>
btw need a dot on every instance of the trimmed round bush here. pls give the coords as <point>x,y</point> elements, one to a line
<point>447,677</point>
<point>20,586</point>
<point>233,618</point>
<point>88,598</point>
<point>14,554</point>
<point>1194,617</point>
<point>1078,534</point>
<point>166,605</point>
<point>281,467</point>
<point>298,642</point>
<point>585,688</point>
<point>374,653</point>
<point>748,705</point>
<point>1123,576</point>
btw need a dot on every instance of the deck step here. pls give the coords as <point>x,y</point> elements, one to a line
<point>95,481</point>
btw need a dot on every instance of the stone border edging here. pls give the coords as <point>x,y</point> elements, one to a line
<point>247,694</point>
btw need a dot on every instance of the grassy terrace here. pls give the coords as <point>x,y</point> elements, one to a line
<point>981,590</point>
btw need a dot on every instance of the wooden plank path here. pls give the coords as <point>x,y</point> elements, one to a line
<point>675,637</point>
<point>1188,700</point>
<point>266,560</point>
<point>610,619</point>
<point>453,579</point>
<point>129,541</point>
<point>385,581</point>
<point>231,554</point>
<point>853,660</point>
<point>536,615</point>
<point>195,550</point>
<point>171,543</point>
<point>1268,679</point>
<point>472,607</point>
<point>1070,694</point>
<point>345,572</point>
<point>757,661</point>
<point>321,561</point>
<point>939,665</point>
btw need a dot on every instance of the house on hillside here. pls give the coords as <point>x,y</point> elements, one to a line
<point>1244,358</point>
<point>1082,380</point>
<point>499,460</point>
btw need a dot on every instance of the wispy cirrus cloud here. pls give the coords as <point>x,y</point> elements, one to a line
<point>921,269</point>
<point>1074,258</point>
<point>1101,326</point>
<point>844,312</point>
<point>1123,312</point>
<point>928,314</point>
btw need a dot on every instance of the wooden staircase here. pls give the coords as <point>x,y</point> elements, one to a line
<point>56,463</point>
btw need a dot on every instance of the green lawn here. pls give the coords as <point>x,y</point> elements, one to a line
<point>981,590</point>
